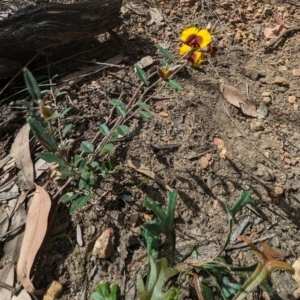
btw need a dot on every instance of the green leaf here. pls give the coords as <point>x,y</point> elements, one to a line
<point>82,184</point>
<point>143,105</point>
<point>51,157</point>
<point>76,160</point>
<point>66,129</point>
<point>118,102</point>
<point>94,166</point>
<point>166,221</point>
<point>151,235</point>
<point>82,164</point>
<point>85,174</point>
<point>65,112</point>
<point>172,200</point>
<point>87,147</point>
<point>79,203</point>
<point>68,197</point>
<point>103,292</point>
<point>107,148</point>
<point>104,130</point>
<point>142,75</point>
<point>120,111</point>
<point>61,94</point>
<point>207,292</point>
<point>42,134</point>
<point>122,130</point>
<point>31,84</point>
<point>173,84</point>
<point>199,70</point>
<point>244,199</point>
<point>164,52</point>
<point>163,62</point>
<point>159,274</point>
<point>145,114</point>
<point>115,102</point>
<point>66,172</point>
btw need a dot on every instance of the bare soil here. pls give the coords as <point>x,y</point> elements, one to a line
<point>262,154</point>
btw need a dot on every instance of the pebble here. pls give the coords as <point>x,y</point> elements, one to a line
<point>104,245</point>
<point>256,125</point>
<point>296,72</point>
<point>279,80</point>
<point>257,134</point>
<point>267,100</point>
<point>291,99</point>
<point>53,291</point>
<point>265,94</point>
<point>278,190</point>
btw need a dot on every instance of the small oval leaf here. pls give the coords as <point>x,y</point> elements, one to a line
<point>87,147</point>
<point>104,130</point>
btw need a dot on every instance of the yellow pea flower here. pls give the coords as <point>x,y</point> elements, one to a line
<point>195,38</point>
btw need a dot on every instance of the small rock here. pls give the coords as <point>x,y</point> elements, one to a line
<point>141,30</point>
<point>296,106</point>
<point>267,100</point>
<point>256,125</point>
<point>104,245</point>
<point>163,114</point>
<point>257,134</point>
<point>282,68</point>
<point>291,99</point>
<point>296,72</point>
<point>265,94</point>
<point>53,290</point>
<point>279,80</point>
<point>278,190</point>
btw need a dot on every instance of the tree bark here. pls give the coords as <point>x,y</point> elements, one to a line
<point>35,29</point>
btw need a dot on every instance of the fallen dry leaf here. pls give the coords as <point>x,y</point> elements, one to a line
<point>4,221</point>
<point>278,20</point>
<point>238,99</point>
<point>7,275</point>
<point>153,15</point>
<point>272,33</point>
<point>20,151</point>
<point>146,171</point>
<point>104,246</point>
<point>35,231</point>
<point>23,295</point>
<point>296,266</point>
<point>13,243</point>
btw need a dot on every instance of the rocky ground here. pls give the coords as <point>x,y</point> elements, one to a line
<point>222,147</point>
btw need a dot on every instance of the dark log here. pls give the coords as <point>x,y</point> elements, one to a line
<point>35,29</point>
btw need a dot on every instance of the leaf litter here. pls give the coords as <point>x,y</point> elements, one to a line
<point>35,231</point>
<point>20,151</point>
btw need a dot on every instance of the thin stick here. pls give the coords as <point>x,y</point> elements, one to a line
<point>243,245</point>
